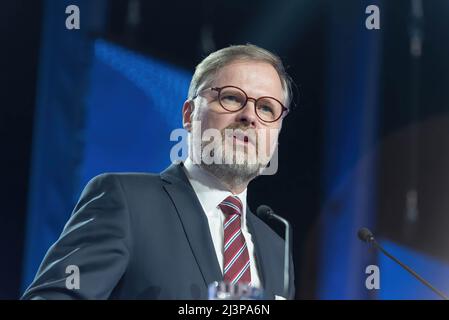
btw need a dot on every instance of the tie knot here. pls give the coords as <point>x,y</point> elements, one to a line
<point>231,205</point>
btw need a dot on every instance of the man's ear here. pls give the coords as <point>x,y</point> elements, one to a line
<point>187,114</point>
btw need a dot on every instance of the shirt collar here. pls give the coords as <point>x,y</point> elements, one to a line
<point>209,190</point>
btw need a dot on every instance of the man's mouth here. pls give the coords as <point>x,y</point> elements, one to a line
<point>242,138</point>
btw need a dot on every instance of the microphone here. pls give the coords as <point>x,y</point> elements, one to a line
<point>266,213</point>
<point>367,236</point>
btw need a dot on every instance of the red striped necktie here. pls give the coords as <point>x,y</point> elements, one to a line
<point>236,264</point>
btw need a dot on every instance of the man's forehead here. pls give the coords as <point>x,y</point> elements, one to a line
<point>247,69</point>
<point>258,76</point>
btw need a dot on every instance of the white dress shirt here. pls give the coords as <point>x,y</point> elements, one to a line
<point>211,193</point>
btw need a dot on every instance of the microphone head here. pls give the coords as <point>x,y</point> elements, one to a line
<point>365,235</point>
<point>264,212</point>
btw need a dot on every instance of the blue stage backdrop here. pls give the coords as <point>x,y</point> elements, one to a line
<point>133,105</point>
<point>101,108</point>
<point>396,283</point>
<point>350,175</point>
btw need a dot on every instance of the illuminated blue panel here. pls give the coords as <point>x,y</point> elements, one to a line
<point>134,104</point>
<point>396,283</point>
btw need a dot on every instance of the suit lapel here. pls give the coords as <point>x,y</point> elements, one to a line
<point>260,246</point>
<point>194,222</point>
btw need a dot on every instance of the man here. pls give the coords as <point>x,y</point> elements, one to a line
<point>168,236</point>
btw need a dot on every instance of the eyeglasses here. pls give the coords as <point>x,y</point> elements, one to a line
<point>233,99</point>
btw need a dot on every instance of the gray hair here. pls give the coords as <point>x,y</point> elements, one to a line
<point>210,65</point>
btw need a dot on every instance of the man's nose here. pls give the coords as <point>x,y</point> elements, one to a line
<point>248,115</point>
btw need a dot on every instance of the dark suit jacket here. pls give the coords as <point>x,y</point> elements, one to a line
<point>145,236</point>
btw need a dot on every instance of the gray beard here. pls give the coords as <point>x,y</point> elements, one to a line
<point>233,175</point>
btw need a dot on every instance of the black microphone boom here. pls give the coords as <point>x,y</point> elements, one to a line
<point>266,213</point>
<point>366,235</point>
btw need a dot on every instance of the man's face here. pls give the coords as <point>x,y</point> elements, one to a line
<point>257,79</point>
